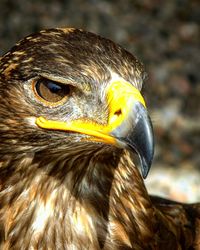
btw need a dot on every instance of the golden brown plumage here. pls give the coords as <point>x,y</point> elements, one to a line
<point>71,117</point>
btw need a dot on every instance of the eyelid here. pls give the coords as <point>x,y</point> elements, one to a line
<point>85,86</point>
<point>59,79</point>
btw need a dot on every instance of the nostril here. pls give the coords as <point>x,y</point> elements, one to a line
<point>118,112</point>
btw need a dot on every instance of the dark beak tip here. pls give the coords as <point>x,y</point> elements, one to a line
<point>137,134</point>
<point>146,156</point>
<point>143,141</point>
<point>145,167</point>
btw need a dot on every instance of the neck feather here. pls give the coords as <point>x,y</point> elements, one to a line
<point>91,202</point>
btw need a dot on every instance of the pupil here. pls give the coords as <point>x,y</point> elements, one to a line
<point>54,88</point>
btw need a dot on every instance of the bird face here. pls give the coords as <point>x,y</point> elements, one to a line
<point>65,88</point>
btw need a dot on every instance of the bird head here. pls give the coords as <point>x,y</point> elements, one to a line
<point>64,90</point>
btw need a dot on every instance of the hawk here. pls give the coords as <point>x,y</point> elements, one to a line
<point>72,123</point>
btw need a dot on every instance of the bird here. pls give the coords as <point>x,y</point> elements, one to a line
<point>76,142</point>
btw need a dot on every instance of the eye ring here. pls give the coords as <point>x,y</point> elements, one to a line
<point>49,92</point>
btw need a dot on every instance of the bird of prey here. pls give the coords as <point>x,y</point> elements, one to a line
<point>72,124</point>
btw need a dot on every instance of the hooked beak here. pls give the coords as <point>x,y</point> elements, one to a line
<point>128,126</point>
<point>136,134</point>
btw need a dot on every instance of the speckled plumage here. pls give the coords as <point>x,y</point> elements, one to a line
<point>58,191</point>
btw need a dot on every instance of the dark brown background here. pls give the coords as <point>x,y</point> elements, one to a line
<point>165,35</point>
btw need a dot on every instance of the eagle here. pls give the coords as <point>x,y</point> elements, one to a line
<point>73,128</point>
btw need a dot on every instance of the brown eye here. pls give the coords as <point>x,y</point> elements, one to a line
<point>51,91</point>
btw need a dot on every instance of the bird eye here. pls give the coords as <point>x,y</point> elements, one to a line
<point>51,91</point>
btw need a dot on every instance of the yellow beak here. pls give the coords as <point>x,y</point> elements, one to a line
<point>128,124</point>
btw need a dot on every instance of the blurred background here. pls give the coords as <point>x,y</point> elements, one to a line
<point>165,36</point>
